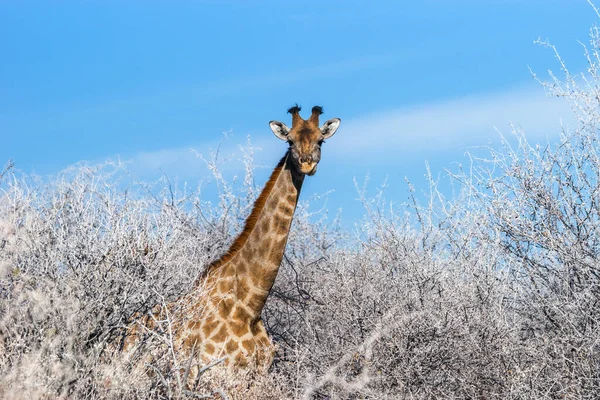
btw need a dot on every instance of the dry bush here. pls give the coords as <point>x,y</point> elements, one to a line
<point>80,256</point>
<point>409,314</point>
<point>492,294</point>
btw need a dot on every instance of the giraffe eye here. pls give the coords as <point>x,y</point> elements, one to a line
<point>321,142</point>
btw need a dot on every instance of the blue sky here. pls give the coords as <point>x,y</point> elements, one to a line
<point>413,82</point>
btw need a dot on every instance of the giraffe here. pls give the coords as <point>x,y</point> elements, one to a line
<point>225,319</point>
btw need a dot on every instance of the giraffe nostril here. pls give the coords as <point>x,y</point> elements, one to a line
<point>306,159</point>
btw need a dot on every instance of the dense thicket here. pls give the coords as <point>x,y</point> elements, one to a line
<point>494,294</point>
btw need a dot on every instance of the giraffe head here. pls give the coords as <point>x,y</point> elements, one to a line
<point>305,137</point>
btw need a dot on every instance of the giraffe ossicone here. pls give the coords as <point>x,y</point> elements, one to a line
<point>222,316</point>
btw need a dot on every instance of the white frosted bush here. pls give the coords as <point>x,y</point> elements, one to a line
<point>491,294</point>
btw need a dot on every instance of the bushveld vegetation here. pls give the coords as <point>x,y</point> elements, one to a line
<point>492,294</point>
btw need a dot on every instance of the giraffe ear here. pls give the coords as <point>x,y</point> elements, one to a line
<point>329,127</point>
<point>280,130</point>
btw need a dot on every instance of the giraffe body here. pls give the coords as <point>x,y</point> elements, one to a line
<point>238,284</point>
<point>222,316</point>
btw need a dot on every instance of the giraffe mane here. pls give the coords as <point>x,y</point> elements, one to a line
<point>239,242</point>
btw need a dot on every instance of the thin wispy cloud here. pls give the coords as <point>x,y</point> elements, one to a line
<point>471,120</point>
<point>189,162</point>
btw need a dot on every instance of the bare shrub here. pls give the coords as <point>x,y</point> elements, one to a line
<point>411,313</point>
<point>80,256</point>
<point>492,294</point>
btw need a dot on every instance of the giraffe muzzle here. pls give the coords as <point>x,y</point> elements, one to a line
<point>308,168</point>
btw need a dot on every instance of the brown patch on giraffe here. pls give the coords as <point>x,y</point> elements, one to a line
<point>256,303</point>
<point>225,307</point>
<point>263,341</point>
<point>272,202</point>
<point>255,271</point>
<point>242,289</point>
<point>211,319</point>
<point>209,327</point>
<point>193,325</point>
<point>265,226</point>
<point>241,268</point>
<point>256,328</point>
<point>209,348</point>
<point>241,314</point>
<point>262,252</point>
<point>213,294</point>
<point>267,277</point>
<point>287,210</point>
<point>191,341</point>
<point>231,346</point>
<point>221,335</point>
<point>246,253</point>
<point>256,278</point>
<point>264,279</point>
<point>225,286</point>
<point>249,346</point>
<point>276,256</point>
<point>259,205</point>
<point>280,224</point>
<point>238,328</point>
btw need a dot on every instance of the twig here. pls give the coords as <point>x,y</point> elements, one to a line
<point>206,368</point>
<point>7,167</point>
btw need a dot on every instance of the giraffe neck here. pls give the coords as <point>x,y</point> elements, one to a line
<point>253,260</point>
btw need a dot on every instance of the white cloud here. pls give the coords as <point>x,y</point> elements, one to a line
<point>185,163</point>
<point>470,120</point>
